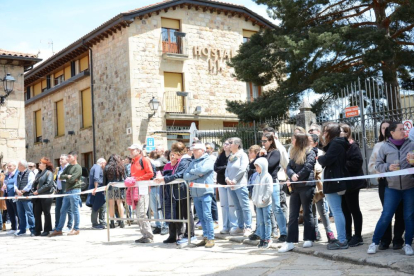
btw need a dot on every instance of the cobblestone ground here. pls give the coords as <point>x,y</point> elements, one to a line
<point>91,254</point>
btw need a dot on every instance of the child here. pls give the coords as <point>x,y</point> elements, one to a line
<point>262,199</point>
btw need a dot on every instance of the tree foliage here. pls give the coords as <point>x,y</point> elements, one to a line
<point>321,46</point>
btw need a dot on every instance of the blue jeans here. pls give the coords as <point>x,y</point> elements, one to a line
<point>264,226</point>
<point>58,207</point>
<point>277,210</point>
<point>335,203</point>
<point>203,208</point>
<point>227,209</point>
<point>241,202</point>
<point>155,206</point>
<point>25,213</point>
<point>392,199</point>
<point>70,201</point>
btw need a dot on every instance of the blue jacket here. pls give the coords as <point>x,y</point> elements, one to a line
<point>11,182</point>
<point>201,170</point>
<point>95,201</point>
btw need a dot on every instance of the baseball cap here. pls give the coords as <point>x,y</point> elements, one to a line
<point>135,146</point>
<point>198,146</point>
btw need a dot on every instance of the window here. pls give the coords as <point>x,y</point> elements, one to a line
<point>60,118</point>
<point>170,42</point>
<point>44,85</point>
<point>38,126</point>
<point>247,34</point>
<point>84,63</point>
<point>28,93</point>
<point>59,77</point>
<point>253,91</point>
<point>67,73</point>
<point>173,82</point>
<point>37,88</point>
<point>73,68</point>
<point>86,108</point>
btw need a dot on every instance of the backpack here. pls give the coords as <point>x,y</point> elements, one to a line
<point>154,169</point>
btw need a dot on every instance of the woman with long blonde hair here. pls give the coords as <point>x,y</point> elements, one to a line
<point>301,168</point>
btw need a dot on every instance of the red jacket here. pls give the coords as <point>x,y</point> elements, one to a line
<point>140,174</point>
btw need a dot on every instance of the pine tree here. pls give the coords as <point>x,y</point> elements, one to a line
<point>321,46</point>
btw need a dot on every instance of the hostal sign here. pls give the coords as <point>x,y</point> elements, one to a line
<point>216,58</point>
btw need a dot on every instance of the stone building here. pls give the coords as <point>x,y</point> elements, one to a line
<point>93,96</point>
<point>12,116</point>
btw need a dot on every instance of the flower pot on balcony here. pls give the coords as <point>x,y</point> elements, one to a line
<point>184,94</point>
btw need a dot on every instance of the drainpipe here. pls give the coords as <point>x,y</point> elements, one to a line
<point>92,99</point>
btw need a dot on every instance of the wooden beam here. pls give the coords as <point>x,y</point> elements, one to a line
<point>189,6</point>
<point>157,12</point>
<point>205,9</point>
<point>182,6</point>
<point>166,9</point>
<point>212,10</point>
<point>197,8</point>
<point>226,13</point>
<point>149,14</point>
<point>218,11</point>
<point>174,8</point>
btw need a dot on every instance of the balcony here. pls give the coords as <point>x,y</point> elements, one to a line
<point>174,104</point>
<point>173,45</point>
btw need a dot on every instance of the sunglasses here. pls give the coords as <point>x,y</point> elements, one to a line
<point>264,141</point>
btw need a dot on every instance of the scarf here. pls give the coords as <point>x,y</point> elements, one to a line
<point>397,142</point>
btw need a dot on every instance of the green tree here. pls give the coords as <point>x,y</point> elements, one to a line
<point>321,46</point>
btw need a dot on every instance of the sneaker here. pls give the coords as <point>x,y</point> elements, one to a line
<point>98,227</point>
<point>56,233</point>
<point>348,238</point>
<point>338,245</point>
<point>210,244</point>
<point>156,231</point>
<point>282,238</point>
<point>198,225</point>
<point>247,232</point>
<point>266,244</point>
<point>12,232</point>
<point>355,241</point>
<point>254,237</point>
<point>216,224</point>
<point>287,246</point>
<point>383,246</point>
<point>260,245</point>
<point>45,234</point>
<point>408,250</point>
<point>307,244</point>
<point>397,246</point>
<point>203,242</point>
<point>19,234</point>
<point>224,231</point>
<point>73,233</point>
<point>66,229</point>
<point>236,232</point>
<point>164,231</point>
<point>331,237</point>
<point>372,249</point>
<point>144,240</point>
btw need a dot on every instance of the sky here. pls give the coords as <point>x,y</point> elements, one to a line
<point>43,26</point>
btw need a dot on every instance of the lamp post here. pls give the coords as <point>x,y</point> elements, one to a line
<point>8,85</point>
<point>154,104</point>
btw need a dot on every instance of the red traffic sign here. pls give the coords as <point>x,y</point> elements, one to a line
<point>351,111</point>
<point>408,125</point>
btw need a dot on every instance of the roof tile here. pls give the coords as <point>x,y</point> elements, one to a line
<point>16,54</point>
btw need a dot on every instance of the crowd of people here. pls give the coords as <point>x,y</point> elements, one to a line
<point>262,174</point>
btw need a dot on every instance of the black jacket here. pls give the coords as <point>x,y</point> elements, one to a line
<point>220,167</point>
<point>306,171</point>
<point>43,183</point>
<point>274,163</point>
<point>354,164</point>
<point>334,164</point>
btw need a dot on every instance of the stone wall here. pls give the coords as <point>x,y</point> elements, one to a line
<point>81,141</point>
<point>12,118</point>
<point>112,92</point>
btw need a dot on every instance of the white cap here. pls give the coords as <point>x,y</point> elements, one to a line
<point>198,146</point>
<point>135,146</point>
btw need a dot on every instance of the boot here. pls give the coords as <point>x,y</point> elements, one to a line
<point>112,225</point>
<point>4,226</point>
<point>121,224</point>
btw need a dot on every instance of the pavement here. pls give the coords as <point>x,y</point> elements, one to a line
<point>91,254</point>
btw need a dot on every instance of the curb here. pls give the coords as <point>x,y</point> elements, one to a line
<point>409,268</point>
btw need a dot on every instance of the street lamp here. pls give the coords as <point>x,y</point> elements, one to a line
<point>154,104</point>
<point>8,83</point>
